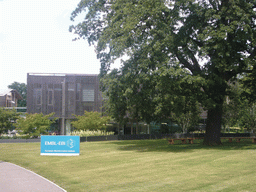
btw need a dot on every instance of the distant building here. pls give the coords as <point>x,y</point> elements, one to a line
<point>63,94</point>
<point>9,98</point>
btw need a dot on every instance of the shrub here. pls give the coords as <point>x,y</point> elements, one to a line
<point>90,121</point>
<point>34,124</point>
<point>87,133</point>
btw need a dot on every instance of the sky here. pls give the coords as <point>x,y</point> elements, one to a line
<point>35,38</point>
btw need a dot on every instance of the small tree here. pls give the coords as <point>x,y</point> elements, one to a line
<point>187,117</point>
<point>34,124</point>
<point>90,121</point>
<point>7,118</point>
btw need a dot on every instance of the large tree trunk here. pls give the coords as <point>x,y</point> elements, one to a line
<point>213,126</point>
<point>216,93</point>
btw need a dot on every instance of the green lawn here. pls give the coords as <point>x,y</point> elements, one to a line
<point>147,165</point>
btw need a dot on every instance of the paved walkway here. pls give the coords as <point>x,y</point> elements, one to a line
<point>14,178</point>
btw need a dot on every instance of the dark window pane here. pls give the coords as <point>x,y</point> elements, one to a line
<point>50,97</point>
<point>38,97</point>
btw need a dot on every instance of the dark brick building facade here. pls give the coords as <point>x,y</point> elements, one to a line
<point>63,94</point>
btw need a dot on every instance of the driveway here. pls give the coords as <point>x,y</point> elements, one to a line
<point>14,178</point>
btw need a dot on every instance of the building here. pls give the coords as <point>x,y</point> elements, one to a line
<point>63,94</point>
<point>9,98</point>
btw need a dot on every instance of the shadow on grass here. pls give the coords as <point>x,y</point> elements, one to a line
<point>163,146</point>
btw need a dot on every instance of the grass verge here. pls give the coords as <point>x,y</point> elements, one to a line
<point>146,165</point>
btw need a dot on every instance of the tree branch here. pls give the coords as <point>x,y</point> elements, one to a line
<point>184,61</point>
<point>195,66</point>
<point>212,4</point>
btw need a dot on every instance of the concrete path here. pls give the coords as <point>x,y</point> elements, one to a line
<point>14,178</point>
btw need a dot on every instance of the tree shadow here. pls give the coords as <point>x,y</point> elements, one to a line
<point>162,145</point>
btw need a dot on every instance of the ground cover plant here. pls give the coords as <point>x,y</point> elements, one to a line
<point>87,133</point>
<point>145,165</point>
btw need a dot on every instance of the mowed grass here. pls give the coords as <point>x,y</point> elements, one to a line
<point>146,165</point>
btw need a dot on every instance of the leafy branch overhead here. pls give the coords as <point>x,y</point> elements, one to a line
<point>187,31</point>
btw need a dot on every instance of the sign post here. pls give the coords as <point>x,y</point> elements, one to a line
<point>60,145</point>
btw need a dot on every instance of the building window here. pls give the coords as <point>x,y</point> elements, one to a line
<point>57,87</point>
<point>37,86</point>
<point>13,96</point>
<point>50,86</point>
<point>78,88</point>
<point>50,97</point>
<point>88,94</point>
<point>38,96</point>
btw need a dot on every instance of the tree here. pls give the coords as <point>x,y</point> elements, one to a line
<point>239,107</point>
<point>22,89</point>
<point>178,95</point>
<point>187,115</point>
<point>90,121</point>
<point>233,105</point>
<point>248,116</point>
<point>213,40</point>
<point>7,119</point>
<point>34,124</point>
<point>129,96</point>
<point>114,99</point>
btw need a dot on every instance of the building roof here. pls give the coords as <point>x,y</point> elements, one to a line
<point>4,92</point>
<point>61,74</point>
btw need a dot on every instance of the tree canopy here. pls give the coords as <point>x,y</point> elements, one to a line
<point>34,124</point>
<point>7,119</point>
<point>214,40</point>
<point>22,89</point>
<point>239,110</point>
<point>90,121</point>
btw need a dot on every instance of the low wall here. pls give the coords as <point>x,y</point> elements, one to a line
<point>99,138</point>
<point>131,137</point>
<point>156,136</point>
<point>20,140</point>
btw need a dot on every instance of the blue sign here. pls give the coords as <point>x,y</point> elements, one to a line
<point>60,145</point>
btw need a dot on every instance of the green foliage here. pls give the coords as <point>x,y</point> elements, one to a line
<point>90,121</point>
<point>233,105</point>
<point>22,89</point>
<point>35,124</point>
<point>141,96</point>
<point>214,41</point>
<point>7,119</point>
<point>17,136</point>
<point>238,109</point>
<point>128,97</point>
<point>114,99</point>
<point>88,133</point>
<point>178,96</point>
<point>248,116</point>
